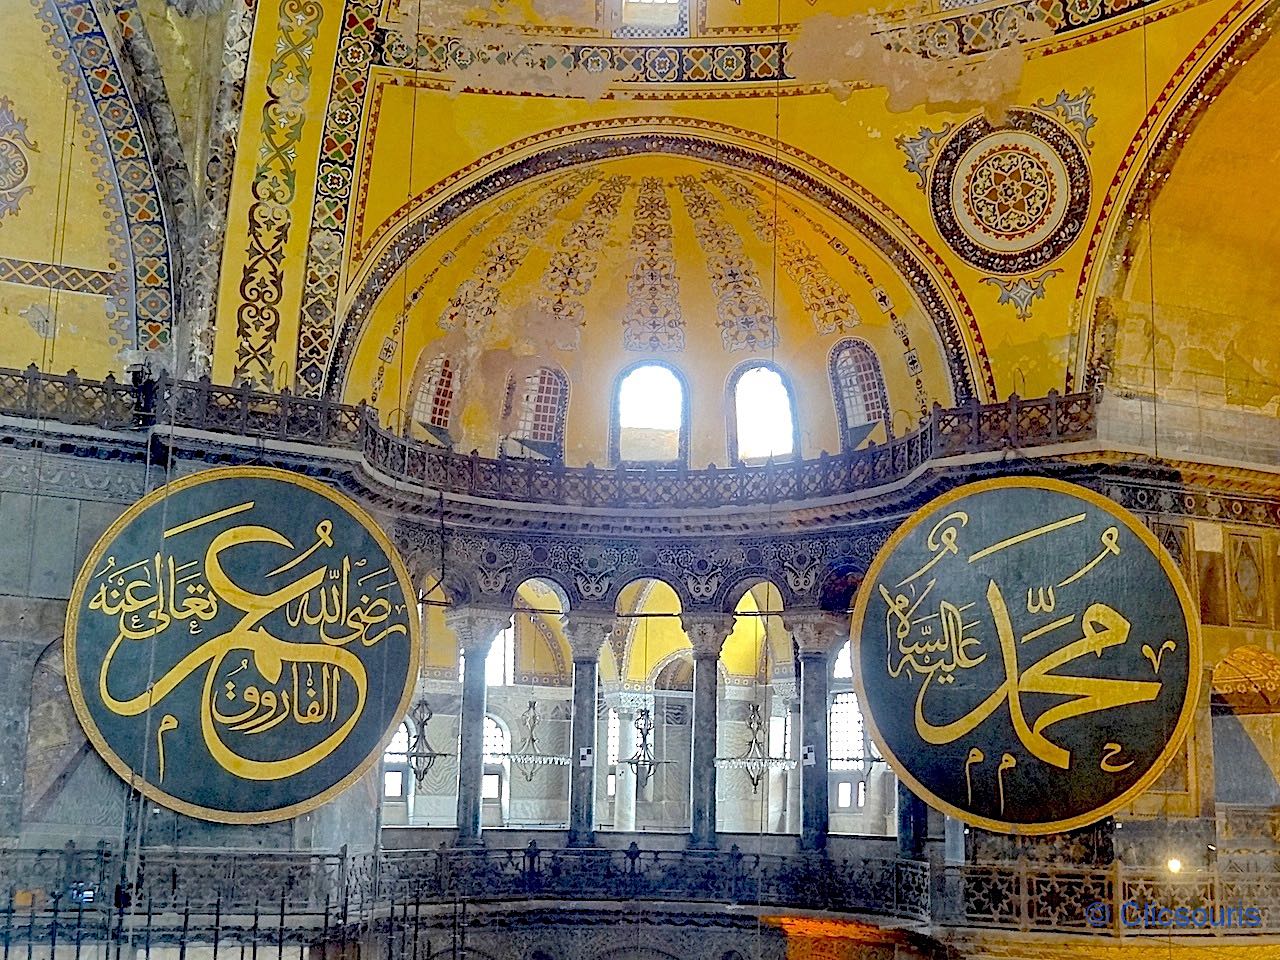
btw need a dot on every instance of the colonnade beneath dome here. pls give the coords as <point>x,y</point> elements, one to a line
<point>647,720</point>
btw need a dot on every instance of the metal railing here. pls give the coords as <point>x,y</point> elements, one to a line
<point>1118,900</point>
<point>890,887</point>
<point>238,411</point>
<point>69,895</point>
<point>270,899</point>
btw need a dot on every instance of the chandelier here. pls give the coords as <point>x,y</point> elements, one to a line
<point>421,755</point>
<point>529,759</point>
<point>643,763</point>
<point>755,759</point>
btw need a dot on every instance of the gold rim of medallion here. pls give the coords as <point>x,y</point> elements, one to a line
<point>134,778</point>
<point>1190,698</point>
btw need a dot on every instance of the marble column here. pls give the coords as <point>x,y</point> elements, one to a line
<point>913,824</point>
<point>624,786</point>
<point>586,633</point>
<point>787,692</point>
<point>817,635</point>
<point>475,629</point>
<point>707,633</point>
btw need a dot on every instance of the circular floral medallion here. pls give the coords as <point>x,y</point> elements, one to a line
<point>1013,198</point>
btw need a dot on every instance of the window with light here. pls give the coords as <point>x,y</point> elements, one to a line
<point>847,736</point>
<point>780,736</point>
<point>653,17</point>
<point>762,415</point>
<point>842,669</point>
<point>395,765</point>
<point>650,415</point>
<point>496,742</point>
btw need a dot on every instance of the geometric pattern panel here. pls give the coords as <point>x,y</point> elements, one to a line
<point>53,276</point>
<point>121,155</point>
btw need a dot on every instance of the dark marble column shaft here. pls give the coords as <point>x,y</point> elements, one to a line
<point>475,629</point>
<point>817,634</point>
<point>586,633</point>
<point>707,633</point>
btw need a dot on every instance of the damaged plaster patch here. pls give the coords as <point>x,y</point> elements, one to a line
<point>918,65</point>
<point>421,16</point>
<point>510,65</point>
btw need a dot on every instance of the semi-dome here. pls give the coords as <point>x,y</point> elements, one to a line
<point>598,268</point>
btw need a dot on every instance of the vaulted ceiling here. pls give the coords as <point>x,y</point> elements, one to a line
<point>316,195</point>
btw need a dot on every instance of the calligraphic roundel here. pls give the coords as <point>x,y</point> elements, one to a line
<point>1027,657</point>
<point>241,643</point>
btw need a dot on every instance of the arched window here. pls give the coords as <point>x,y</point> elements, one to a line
<point>860,395</point>
<point>843,667</point>
<point>433,403</point>
<point>537,404</point>
<point>763,423</point>
<point>650,418</point>
<point>493,782</point>
<point>395,765</point>
<point>496,742</point>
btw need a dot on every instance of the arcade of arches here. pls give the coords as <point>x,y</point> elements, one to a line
<point>638,326</point>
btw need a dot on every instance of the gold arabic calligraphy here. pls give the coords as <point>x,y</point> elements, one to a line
<point>935,639</point>
<point>325,683</point>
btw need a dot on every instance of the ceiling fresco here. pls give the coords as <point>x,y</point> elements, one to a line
<point>316,195</point>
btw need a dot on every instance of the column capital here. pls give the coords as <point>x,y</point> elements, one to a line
<point>587,633</point>
<point>707,632</point>
<point>817,632</point>
<point>475,628</point>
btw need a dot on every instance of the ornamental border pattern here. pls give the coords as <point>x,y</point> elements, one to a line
<point>143,208</point>
<point>909,263</point>
<point>73,68</point>
<point>274,187</point>
<point>164,141</point>
<point>330,206</point>
<point>703,60</point>
<point>54,276</point>
<point>203,271</point>
<point>101,88</point>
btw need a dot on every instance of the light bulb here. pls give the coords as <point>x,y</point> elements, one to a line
<point>1175,865</point>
